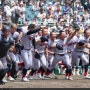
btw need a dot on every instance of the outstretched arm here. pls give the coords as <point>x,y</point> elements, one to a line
<point>76,28</point>
<point>33,31</point>
<point>70,37</point>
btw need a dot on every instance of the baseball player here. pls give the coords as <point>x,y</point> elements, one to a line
<point>13,55</point>
<point>15,35</point>
<point>51,54</point>
<point>61,53</point>
<point>71,46</point>
<point>80,52</point>
<point>76,70</point>
<point>6,42</point>
<point>26,53</point>
<point>36,63</point>
<point>40,46</point>
<point>87,37</point>
<point>17,62</point>
<point>52,41</point>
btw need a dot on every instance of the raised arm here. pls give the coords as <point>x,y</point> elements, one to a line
<point>76,28</point>
<point>33,31</point>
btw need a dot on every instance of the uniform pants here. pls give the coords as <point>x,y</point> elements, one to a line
<point>82,56</point>
<point>27,58</point>
<point>65,58</point>
<point>40,62</point>
<point>3,63</point>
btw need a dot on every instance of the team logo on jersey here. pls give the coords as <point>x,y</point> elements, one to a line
<point>30,38</point>
<point>43,44</point>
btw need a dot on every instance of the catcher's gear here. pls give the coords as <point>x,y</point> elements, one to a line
<point>59,47</point>
<point>37,56</point>
<point>76,27</point>
<point>81,43</point>
<point>43,39</point>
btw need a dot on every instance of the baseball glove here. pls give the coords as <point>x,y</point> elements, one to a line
<point>59,47</point>
<point>43,39</point>
<point>37,56</point>
<point>81,43</point>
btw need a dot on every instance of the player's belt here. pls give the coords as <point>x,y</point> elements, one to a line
<point>27,49</point>
<point>61,54</point>
<point>79,51</point>
<point>41,52</point>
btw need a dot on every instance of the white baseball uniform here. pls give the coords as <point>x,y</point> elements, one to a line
<point>71,45</point>
<point>78,53</point>
<point>61,55</point>
<point>26,53</point>
<point>50,56</point>
<point>86,50</point>
<point>41,50</point>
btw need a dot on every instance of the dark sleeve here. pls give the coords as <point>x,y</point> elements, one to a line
<point>33,43</point>
<point>33,31</point>
<point>11,41</point>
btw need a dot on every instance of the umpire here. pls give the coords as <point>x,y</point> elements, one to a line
<point>5,43</point>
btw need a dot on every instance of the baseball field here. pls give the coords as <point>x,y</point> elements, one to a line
<point>60,82</point>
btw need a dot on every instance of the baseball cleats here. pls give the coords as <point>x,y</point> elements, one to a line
<point>34,77</point>
<point>66,77</point>
<point>41,77</point>
<point>31,77</point>
<point>70,78</point>
<point>86,77</point>
<point>51,76</point>
<point>10,78</point>
<point>47,77</point>
<point>4,80</point>
<point>24,79</point>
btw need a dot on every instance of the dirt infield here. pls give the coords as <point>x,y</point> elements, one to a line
<point>78,82</point>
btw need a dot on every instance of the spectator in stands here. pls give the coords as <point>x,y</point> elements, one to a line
<point>7,10</point>
<point>15,12</point>
<point>80,9</point>
<point>21,18</point>
<point>21,6</point>
<point>42,14</point>
<point>66,8</point>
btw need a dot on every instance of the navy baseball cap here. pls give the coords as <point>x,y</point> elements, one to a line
<point>6,28</point>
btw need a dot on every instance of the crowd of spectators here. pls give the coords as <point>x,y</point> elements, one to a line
<point>56,14</point>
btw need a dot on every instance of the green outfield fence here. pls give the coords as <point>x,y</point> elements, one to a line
<point>57,70</point>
